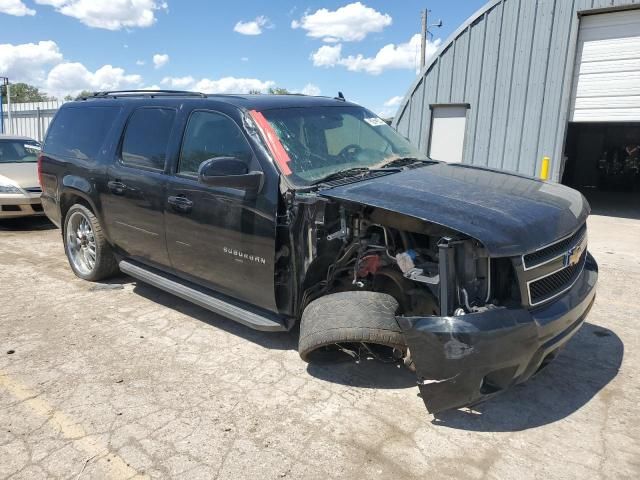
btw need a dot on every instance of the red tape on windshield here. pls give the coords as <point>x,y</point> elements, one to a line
<point>273,142</point>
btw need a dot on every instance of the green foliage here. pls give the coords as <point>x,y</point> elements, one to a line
<point>22,93</point>
<point>278,91</point>
<point>272,91</point>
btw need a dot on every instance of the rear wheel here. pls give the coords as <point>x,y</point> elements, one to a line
<point>354,325</point>
<point>87,249</point>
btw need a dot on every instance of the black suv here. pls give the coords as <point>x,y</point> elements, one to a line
<point>274,210</point>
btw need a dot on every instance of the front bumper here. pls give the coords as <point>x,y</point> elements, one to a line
<point>463,360</point>
<point>20,205</point>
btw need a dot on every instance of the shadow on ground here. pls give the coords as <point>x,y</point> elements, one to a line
<point>589,362</point>
<point>275,341</point>
<point>614,204</point>
<point>26,224</point>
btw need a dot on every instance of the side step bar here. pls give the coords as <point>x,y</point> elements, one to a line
<point>217,305</point>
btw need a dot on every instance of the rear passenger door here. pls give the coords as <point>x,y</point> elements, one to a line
<point>134,202</point>
<point>220,237</point>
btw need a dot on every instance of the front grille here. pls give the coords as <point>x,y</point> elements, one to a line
<point>37,207</point>
<point>556,250</point>
<point>549,287</point>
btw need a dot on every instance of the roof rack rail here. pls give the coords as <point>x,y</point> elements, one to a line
<point>143,93</point>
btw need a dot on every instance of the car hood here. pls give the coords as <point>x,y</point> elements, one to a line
<point>23,174</point>
<point>510,214</point>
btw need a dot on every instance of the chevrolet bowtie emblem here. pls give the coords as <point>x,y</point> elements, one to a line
<point>573,256</point>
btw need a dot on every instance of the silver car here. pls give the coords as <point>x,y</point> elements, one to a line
<point>19,187</point>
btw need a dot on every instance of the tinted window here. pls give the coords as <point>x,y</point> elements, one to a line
<point>147,137</point>
<point>211,135</point>
<point>80,131</point>
<point>19,151</point>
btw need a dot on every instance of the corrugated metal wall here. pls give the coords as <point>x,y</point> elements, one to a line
<point>512,62</point>
<point>29,119</point>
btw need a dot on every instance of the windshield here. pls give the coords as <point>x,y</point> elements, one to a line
<point>19,151</point>
<point>321,141</point>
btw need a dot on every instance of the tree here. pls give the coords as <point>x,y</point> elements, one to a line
<point>271,91</point>
<point>22,93</point>
<point>278,91</point>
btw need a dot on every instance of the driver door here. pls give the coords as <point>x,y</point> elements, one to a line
<point>222,238</point>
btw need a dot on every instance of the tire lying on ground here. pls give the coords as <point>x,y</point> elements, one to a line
<point>336,322</point>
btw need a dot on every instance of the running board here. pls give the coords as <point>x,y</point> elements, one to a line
<point>228,310</point>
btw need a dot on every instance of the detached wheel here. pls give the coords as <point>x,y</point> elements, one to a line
<point>88,251</point>
<point>351,324</point>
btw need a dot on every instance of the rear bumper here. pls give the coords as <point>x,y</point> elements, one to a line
<point>464,360</point>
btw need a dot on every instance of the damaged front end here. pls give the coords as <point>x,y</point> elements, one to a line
<point>470,328</point>
<point>466,358</point>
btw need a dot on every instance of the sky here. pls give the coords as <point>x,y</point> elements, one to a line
<point>369,50</point>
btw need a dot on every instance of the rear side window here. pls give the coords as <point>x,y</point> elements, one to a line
<point>211,135</point>
<point>147,137</point>
<point>80,132</point>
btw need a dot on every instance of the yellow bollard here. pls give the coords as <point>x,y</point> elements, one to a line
<point>544,171</point>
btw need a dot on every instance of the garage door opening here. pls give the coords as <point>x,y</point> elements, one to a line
<point>603,140</point>
<point>603,162</point>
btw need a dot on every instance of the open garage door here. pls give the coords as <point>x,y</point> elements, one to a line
<point>607,75</point>
<point>603,139</point>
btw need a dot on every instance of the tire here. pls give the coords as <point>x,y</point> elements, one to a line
<point>349,318</point>
<point>89,253</point>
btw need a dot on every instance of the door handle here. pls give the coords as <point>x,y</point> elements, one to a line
<point>181,204</point>
<point>117,187</point>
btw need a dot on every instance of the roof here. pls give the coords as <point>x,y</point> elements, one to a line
<point>249,102</point>
<point>17,137</point>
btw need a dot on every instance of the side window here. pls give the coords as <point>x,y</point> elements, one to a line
<point>147,137</point>
<point>80,132</point>
<point>211,135</point>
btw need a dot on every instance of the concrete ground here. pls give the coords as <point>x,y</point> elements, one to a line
<point>121,380</point>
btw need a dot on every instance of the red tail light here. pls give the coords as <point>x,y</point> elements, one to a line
<point>40,170</point>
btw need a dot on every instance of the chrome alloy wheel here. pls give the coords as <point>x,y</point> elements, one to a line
<point>81,243</point>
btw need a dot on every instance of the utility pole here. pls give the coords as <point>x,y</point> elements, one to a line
<point>4,82</point>
<point>9,107</point>
<point>425,34</point>
<point>423,45</point>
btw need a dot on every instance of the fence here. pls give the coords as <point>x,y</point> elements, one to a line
<point>29,119</point>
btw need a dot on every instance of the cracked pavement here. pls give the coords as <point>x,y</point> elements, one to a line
<point>121,380</point>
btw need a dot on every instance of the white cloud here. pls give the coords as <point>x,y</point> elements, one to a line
<point>179,82</point>
<point>390,107</point>
<point>28,62</point>
<point>72,78</point>
<point>221,85</point>
<point>253,27</point>
<point>350,23</point>
<point>140,63</point>
<point>311,89</point>
<point>394,101</point>
<point>15,8</point>
<point>244,59</point>
<point>160,60</point>
<point>327,56</point>
<point>391,56</point>
<point>109,14</point>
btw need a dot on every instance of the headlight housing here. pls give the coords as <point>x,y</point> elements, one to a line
<point>7,186</point>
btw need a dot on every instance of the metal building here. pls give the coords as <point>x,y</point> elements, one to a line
<point>526,79</point>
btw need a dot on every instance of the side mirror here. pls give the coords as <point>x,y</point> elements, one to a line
<point>229,172</point>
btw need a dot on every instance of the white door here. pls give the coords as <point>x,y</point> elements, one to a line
<point>607,75</point>
<point>448,126</point>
